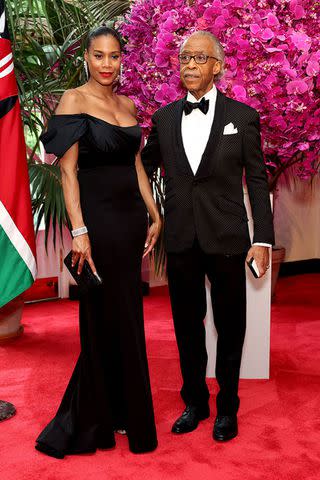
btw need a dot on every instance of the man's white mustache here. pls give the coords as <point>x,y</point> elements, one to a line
<point>189,74</point>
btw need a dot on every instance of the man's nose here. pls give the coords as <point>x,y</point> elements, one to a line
<point>192,63</point>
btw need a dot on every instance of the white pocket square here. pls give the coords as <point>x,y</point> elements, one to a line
<point>229,129</point>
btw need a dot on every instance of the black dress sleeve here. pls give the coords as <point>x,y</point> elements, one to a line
<point>151,153</point>
<point>62,132</point>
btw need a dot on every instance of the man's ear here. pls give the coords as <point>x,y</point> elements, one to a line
<point>216,68</point>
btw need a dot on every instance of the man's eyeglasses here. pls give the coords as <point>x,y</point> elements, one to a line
<point>200,58</point>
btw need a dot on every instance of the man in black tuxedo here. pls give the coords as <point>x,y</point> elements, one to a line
<point>206,142</point>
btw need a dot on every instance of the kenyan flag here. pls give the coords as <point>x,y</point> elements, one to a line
<point>17,242</point>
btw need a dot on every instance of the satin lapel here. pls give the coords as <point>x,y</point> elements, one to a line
<point>211,150</point>
<point>182,163</point>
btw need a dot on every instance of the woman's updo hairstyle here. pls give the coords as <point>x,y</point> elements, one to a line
<point>102,30</point>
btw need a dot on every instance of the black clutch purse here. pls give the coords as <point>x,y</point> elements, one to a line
<point>87,279</point>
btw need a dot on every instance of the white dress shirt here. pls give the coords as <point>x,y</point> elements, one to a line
<point>195,130</point>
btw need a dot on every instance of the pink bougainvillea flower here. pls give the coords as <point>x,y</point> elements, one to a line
<point>312,68</point>
<point>281,59</point>
<point>270,80</point>
<point>239,92</point>
<point>315,56</point>
<point>255,28</point>
<point>303,146</point>
<point>278,121</point>
<point>220,21</point>
<point>290,72</point>
<point>314,136</point>
<point>266,34</point>
<point>169,25</point>
<point>301,41</point>
<point>272,20</point>
<point>287,144</point>
<point>174,61</point>
<point>297,87</point>
<point>165,94</point>
<point>211,12</point>
<point>161,60</point>
<point>298,12</point>
<point>202,24</point>
<point>232,63</point>
<point>234,22</point>
<point>273,49</point>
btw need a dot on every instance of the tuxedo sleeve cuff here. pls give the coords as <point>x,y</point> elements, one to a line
<point>260,244</point>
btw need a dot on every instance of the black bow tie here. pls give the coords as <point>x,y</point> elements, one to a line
<point>203,105</point>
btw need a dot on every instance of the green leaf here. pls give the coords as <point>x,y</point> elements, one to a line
<point>47,198</point>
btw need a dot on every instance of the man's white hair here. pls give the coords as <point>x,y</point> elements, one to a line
<point>218,48</point>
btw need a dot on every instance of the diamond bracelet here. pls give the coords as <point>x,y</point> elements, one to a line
<point>79,231</point>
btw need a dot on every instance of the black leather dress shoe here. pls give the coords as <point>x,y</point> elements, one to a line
<point>190,419</point>
<point>225,427</point>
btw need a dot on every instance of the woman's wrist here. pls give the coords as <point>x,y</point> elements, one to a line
<point>79,231</point>
<point>156,219</point>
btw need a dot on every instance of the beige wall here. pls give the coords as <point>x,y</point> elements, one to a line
<point>297,218</point>
<point>256,349</point>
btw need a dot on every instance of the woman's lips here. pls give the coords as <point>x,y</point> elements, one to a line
<point>106,74</point>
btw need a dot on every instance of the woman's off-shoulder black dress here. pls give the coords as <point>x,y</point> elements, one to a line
<point>109,388</point>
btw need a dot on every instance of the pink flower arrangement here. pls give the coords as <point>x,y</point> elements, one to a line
<point>272,63</point>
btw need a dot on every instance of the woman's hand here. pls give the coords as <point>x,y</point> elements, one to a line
<point>146,193</point>
<point>152,237</point>
<point>81,251</point>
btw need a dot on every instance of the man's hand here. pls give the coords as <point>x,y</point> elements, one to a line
<point>261,256</point>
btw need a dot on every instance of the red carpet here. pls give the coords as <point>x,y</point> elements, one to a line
<point>279,420</point>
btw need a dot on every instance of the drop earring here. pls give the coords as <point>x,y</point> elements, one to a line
<point>85,66</point>
<point>117,80</point>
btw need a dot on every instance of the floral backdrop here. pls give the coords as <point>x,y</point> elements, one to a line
<point>272,63</point>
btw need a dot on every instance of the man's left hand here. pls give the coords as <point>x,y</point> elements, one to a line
<point>261,256</point>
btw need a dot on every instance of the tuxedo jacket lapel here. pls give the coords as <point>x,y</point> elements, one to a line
<point>209,155</point>
<point>182,162</point>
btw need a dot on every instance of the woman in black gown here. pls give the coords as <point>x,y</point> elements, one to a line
<point>95,134</point>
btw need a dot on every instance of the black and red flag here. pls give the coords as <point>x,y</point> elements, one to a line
<point>17,242</point>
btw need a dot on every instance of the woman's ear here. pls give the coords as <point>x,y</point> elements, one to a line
<point>86,55</point>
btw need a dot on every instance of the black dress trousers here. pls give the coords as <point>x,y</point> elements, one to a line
<point>186,277</point>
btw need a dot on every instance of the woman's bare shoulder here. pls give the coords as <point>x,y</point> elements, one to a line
<point>71,102</point>
<point>128,103</point>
